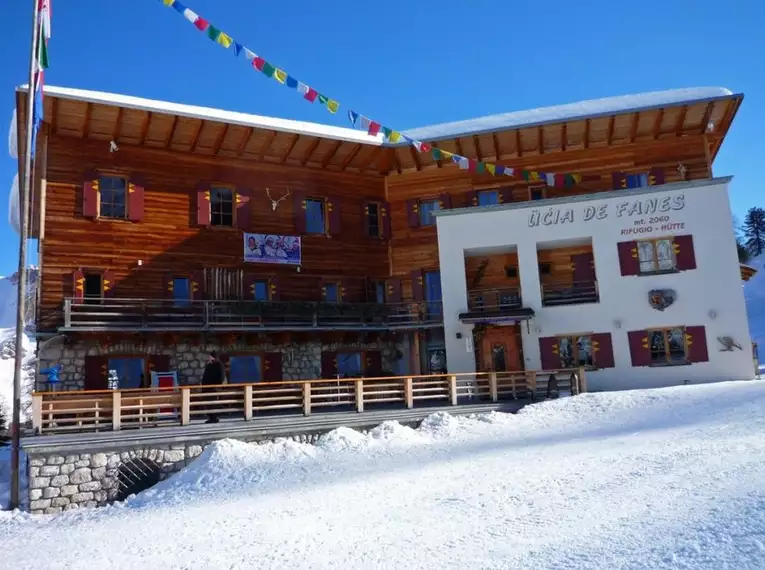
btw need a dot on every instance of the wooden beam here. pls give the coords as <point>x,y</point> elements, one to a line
<point>634,126</point>
<point>370,159</point>
<point>395,160</point>
<point>657,124</point>
<point>266,145</point>
<point>219,141</point>
<point>331,155</point>
<point>415,158</point>
<point>681,120</point>
<point>195,136</point>
<point>496,145</point>
<point>245,141</point>
<point>459,147</point>
<point>540,140</point>
<point>309,152</point>
<point>117,125</point>
<point>478,154</point>
<point>351,155</point>
<point>145,128</point>
<point>610,133</point>
<point>586,140</point>
<point>86,120</point>
<point>170,137</point>
<point>53,113</point>
<point>518,147</point>
<point>705,119</point>
<point>563,136</point>
<point>290,148</point>
<point>727,114</point>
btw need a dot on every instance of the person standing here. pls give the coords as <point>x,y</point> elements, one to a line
<point>213,375</point>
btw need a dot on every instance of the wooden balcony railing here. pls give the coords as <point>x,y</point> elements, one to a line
<point>569,293</point>
<point>493,300</point>
<point>169,315</point>
<point>113,410</point>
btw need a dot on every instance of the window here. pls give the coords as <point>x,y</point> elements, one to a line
<point>545,269</point>
<point>488,197</point>
<point>433,292</point>
<point>93,289</point>
<point>575,351</point>
<point>427,207</point>
<point>330,292</point>
<point>126,373</point>
<point>315,216</point>
<point>380,292</point>
<point>667,346</point>
<point>181,291</point>
<point>374,225</point>
<point>637,180</point>
<point>112,193</point>
<point>261,290</point>
<point>222,207</point>
<point>511,272</point>
<point>537,193</point>
<point>245,369</point>
<point>349,364</point>
<point>656,255</point>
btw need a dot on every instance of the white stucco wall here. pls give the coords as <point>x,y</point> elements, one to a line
<point>710,296</point>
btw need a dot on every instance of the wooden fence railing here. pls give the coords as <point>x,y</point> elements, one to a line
<point>106,410</point>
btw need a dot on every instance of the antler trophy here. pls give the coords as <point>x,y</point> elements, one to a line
<point>275,203</point>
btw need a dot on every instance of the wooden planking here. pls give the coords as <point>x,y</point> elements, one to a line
<point>559,258</point>
<point>494,275</point>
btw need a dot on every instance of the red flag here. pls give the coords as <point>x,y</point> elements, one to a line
<point>258,63</point>
<point>311,95</point>
<point>471,165</point>
<point>374,128</point>
<point>201,24</point>
<point>425,147</point>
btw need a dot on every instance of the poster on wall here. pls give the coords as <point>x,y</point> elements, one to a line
<point>272,248</point>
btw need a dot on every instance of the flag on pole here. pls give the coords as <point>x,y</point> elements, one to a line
<point>41,64</point>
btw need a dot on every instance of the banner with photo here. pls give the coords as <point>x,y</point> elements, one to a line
<point>272,248</point>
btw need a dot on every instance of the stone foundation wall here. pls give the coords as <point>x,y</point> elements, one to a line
<point>299,361</point>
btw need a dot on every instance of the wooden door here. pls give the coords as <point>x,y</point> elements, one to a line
<point>584,268</point>
<point>500,349</point>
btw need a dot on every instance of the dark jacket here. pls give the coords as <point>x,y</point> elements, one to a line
<point>213,373</point>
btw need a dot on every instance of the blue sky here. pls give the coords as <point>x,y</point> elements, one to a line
<point>407,63</point>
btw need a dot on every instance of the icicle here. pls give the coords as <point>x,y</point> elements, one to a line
<point>14,217</point>
<point>13,147</point>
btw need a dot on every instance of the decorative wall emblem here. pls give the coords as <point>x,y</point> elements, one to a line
<point>728,343</point>
<point>660,299</point>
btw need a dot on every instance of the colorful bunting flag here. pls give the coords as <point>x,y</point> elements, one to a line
<point>373,128</point>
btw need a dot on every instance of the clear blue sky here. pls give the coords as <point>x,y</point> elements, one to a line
<point>407,63</point>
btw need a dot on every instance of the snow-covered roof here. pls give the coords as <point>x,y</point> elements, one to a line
<point>569,112</point>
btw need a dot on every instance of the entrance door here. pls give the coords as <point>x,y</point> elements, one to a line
<point>584,269</point>
<point>500,349</point>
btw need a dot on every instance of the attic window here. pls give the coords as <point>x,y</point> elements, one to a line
<point>511,272</point>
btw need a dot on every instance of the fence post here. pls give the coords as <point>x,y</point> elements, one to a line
<point>116,410</point>
<point>493,387</point>
<point>582,380</point>
<point>531,382</point>
<point>409,392</point>
<point>359,395</point>
<point>248,402</point>
<point>453,389</point>
<point>306,399</point>
<point>37,402</point>
<point>68,313</point>
<point>185,405</point>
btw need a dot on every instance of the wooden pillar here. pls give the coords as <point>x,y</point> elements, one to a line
<point>359,395</point>
<point>493,392</point>
<point>116,410</point>
<point>37,405</point>
<point>453,389</point>
<point>416,364</point>
<point>185,405</point>
<point>248,403</point>
<point>409,392</point>
<point>306,399</point>
<point>582,380</point>
<point>531,382</point>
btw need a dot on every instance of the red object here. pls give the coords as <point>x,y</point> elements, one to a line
<point>619,180</point>
<point>249,286</point>
<point>445,201</point>
<point>78,285</point>
<point>471,198</point>
<point>169,282</point>
<point>418,287</point>
<point>243,208</point>
<point>685,255</point>
<point>629,263</point>
<point>393,290</point>
<point>413,213</point>
<point>505,195</point>
<point>96,373</point>
<point>425,147</point>
<point>656,177</point>
<point>272,367</point>
<point>203,205</point>
<point>603,350</point>
<point>472,165</point>
<point>201,24</point>
<point>274,289</point>
<point>584,269</point>
<point>107,279</point>
<point>90,195</point>
<point>299,207</point>
<point>696,343</point>
<point>196,285</point>
<point>374,128</point>
<point>311,95</point>
<point>373,363</point>
<point>640,349</point>
<point>135,199</point>
<point>333,215</point>
<point>548,351</point>
<point>258,63</point>
<point>328,364</point>
<point>385,220</point>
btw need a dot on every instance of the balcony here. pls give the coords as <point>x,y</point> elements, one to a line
<point>168,315</point>
<point>569,293</point>
<point>496,306</point>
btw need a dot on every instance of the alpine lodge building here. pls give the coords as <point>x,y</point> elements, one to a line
<point>301,251</point>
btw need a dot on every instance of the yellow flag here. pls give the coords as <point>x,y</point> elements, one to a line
<point>332,105</point>
<point>491,168</point>
<point>394,137</point>
<point>280,76</point>
<point>225,40</point>
<point>577,178</point>
<point>168,2</point>
<point>446,154</point>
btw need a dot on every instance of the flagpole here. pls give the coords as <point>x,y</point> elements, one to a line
<point>25,192</point>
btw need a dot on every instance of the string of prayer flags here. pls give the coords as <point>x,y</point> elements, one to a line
<point>373,128</point>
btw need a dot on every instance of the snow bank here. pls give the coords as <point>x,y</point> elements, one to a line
<point>754,292</point>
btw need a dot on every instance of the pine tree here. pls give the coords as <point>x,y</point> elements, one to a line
<point>743,253</point>
<point>754,231</point>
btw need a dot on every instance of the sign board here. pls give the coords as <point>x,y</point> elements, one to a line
<point>272,248</point>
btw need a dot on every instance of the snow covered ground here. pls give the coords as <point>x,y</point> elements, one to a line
<point>754,292</point>
<point>669,478</point>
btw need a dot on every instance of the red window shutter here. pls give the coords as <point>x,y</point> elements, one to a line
<point>385,220</point>
<point>656,177</point>
<point>203,205</point>
<point>96,373</point>
<point>159,363</point>
<point>471,199</point>
<point>196,285</point>
<point>548,351</point>
<point>249,286</point>
<point>243,208</point>
<point>274,289</point>
<point>413,213</point>
<point>619,180</point>
<point>418,285</point>
<point>602,350</point>
<point>168,285</point>
<point>505,195</point>
<point>365,215</point>
<point>640,350</point>
<point>629,263</point>
<point>90,195</point>
<point>696,344</point>
<point>373,363</point>
<point>393,290</point>
<point>78,285</point>
<point>445,201</point>
<point>135,208</point>
<point>299,207</point>
<point>328,364</point>
<point>333,215</point>
<point>107,280</point>
<point>342,294</point>
<point>685,256</point>
<point>272,367</point>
